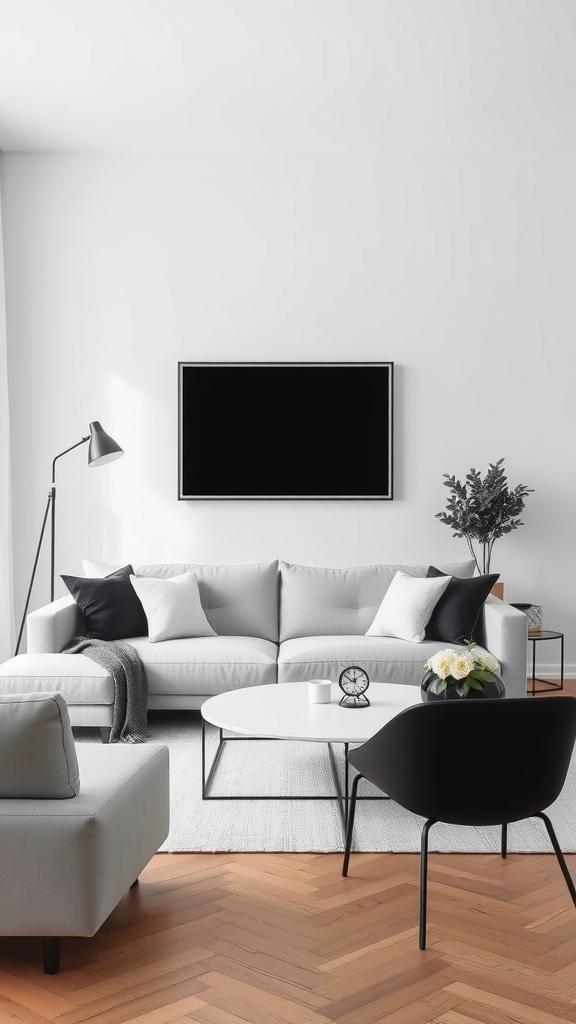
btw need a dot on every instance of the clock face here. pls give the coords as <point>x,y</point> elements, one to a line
<point>354,681</point>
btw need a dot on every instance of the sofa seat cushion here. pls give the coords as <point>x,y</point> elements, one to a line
<point>206,665</point>
<point>79,679</point>
<point>385,659</point>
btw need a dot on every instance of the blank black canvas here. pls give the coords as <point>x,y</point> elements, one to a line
<point>285,430</point>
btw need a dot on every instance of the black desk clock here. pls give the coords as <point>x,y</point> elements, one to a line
<point>354,682</point>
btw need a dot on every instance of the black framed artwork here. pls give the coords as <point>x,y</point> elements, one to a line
<point>297,431</point>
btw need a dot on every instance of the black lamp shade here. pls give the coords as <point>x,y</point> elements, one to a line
<point>102,447</point>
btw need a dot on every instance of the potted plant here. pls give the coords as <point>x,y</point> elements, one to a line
<point>483,509</point>
<point>451,675</point>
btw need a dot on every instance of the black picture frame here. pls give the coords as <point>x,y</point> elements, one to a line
<point>297,431</point>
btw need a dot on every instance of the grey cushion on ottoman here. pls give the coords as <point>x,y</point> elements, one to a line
<point>37,752</point>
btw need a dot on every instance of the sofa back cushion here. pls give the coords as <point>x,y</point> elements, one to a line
<point>317,601</point>
<point>238,600</point>
<point>37,751</point>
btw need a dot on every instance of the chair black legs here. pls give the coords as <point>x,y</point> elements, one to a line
<point>350,824</point>
<point>424,880</point>
<point>559,855</point>
<point>504,848</point>
<point>424,857</point>
<point>51,955</point>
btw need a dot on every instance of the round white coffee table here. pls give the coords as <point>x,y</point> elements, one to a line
<point>282,711</point>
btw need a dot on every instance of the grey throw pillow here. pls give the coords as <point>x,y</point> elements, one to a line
<point>37,751</point>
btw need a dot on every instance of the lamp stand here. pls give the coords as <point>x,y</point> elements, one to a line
<point>50,506</point>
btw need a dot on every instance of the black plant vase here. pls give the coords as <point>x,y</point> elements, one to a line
<point>490,690</point>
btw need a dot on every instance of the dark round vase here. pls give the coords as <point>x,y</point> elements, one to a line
<point>490,690</point>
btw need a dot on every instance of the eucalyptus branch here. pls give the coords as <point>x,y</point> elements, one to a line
<point>473,553</point>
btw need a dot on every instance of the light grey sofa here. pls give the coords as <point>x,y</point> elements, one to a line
<point>78,823</point>
<point>275,622</point>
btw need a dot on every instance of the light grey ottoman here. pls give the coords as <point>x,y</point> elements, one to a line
<point>78,824</point>
<point>87,687</point>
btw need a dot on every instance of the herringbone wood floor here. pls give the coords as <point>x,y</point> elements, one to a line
<point>284,939</point>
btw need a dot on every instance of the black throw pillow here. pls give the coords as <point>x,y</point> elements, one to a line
<point>110,606</point>
<point>456,614</point>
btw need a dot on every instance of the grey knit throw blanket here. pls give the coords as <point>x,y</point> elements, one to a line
<point>121,660</point>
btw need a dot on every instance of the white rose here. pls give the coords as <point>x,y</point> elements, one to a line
<point>462,665</point>
<point>487,661</point>
<point>441,663</point>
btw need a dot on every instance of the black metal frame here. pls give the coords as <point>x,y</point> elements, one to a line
<point>342,795</point>
<point>387,491</point>
<point>546,634</point>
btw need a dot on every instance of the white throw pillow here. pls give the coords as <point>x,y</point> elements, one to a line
<point>172,607</point>
<point>407,606</point>
<point>98,570</point>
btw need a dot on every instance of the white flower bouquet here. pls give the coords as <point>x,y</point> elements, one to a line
<point>465,670</point>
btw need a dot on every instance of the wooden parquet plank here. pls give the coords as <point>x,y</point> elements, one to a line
<point>470,949</point>
<point>285,989</point>
<point>473,1013</point>
<point>519,1010</point>
<point>149,975</point>
<point>417,1012</point>
<point>359,951</point>
<point>353,919</point>
<point>33,996</point>
<point>465,895</point>
<point>505,973</point>
<point>373,1004</point>
<point>18,1013</point>
<point>352,890</point>
<point>167,1014</point>
<point>216,1015</point>
<point>136,959</point>
<point>254,945</point>
<point>268,932</point>
<point>456,1017</point>
<point>141,939</point>
<point>128,1003</point>
<point>254,1004</point>
<point>268,882</point>
<point>265,964</point>
<point>379,974</point>
<point>461,923</point>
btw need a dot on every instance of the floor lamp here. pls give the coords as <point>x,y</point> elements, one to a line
<point>102,449</point>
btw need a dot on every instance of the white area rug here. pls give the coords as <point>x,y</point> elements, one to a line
<point>265,767</point>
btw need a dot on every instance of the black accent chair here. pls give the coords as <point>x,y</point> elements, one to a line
<point>470,762</point>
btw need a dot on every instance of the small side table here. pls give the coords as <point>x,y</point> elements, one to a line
<point>533,638</point>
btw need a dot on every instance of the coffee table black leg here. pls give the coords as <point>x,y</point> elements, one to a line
<point>342,794</point>
<point>206,781</point>
<point>342,797</point>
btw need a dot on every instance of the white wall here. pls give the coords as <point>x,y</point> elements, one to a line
<point>457,266</point>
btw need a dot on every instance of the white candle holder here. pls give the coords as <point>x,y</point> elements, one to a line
<point>319,691</point>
